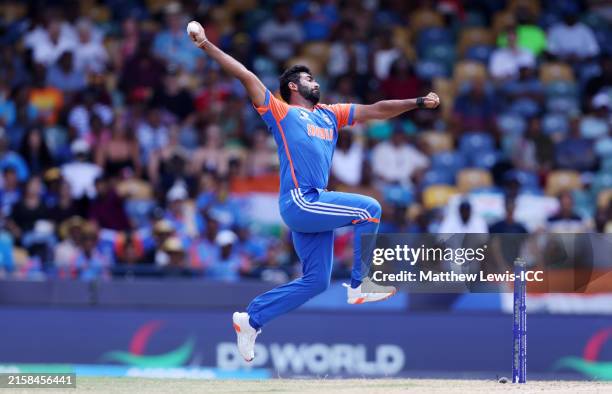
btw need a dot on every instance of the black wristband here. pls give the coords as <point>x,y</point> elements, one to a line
<point>420,102</point>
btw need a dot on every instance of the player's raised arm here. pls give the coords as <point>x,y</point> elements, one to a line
<point>386,109</point>
<point>255,88</point>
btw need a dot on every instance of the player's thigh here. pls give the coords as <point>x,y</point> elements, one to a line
<point>364,206</point>
<point>305,214</point>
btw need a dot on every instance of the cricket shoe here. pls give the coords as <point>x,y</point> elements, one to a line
<point>368,291</point>
<point>245,335</point>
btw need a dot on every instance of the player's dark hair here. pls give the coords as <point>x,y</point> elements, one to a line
<point>292,74</point>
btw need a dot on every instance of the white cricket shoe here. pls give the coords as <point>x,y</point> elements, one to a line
<point>372,292</point>
<point>245,335</point>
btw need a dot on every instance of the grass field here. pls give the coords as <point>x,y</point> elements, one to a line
<point>382,386</point>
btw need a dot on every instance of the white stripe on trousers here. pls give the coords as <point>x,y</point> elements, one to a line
<point>339,211</point>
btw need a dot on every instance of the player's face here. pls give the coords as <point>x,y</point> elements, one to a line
<point>309,88</point>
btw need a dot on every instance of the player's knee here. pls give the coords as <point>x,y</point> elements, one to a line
<point>374,208</point>
<point>318,284</point>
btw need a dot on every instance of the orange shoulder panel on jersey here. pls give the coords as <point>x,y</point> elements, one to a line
<point>342,112</point>
<point>278,107</point>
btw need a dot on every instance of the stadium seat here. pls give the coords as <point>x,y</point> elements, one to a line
<point>422,19</point>
<point>474,143</point>
<point>474,36</point>
<point>527,179</point>
<point>594,128</point>
<point>603,147</point>
<point>319,50</point>
<point>561,180</point>
<point>555,71</point>
<point>472,178</point>
<point>437,177</point>
<point>555,123</point>
<point>467,71</point>
<point>604,198</point>
<point>486,159</point>
<point>438,195</point>
<point>479,53</point>
<point>436,141</point>
<point>511,124</point>
<point>448,161</point>
<point>601,181</point>
<point>429,70</point>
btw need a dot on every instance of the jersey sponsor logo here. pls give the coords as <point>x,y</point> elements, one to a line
<point>327,120</point>
<point>320,132</point>
<point>304,115</point>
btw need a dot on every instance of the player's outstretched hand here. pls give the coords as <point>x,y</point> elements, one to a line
<point>196,33</point>
<point>431,100</point>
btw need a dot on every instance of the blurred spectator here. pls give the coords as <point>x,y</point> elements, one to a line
<point>572,40</point>
<point>395,161</point>
<point>172,44</point>
<point>210,154</point>
<point>508,224</point>
<point>177,263</point>
<point>271,269</point>
<point>107,208</point>
<point>222,206</point>
<point>602,81</point>
<point>318,17</point>
<point>474,109</point>
<point>48,100</point>
<point>203,249</point>
<point>120,153</point>
<point>347,163</point>
<point>128,43</point>
<point>28,210</point>
<point>575,152</point>
<point>91,263</point>
<point>506,61</point>
<point>169,164</point>
<point>535,150</point>
<point>401,81</point>
<point>81,172</point>
<point>10,192</point>
<point>8,110</point>
<point>9,158</point>
<point>142,73</point>
<point>162,230</point>
<point>67,250</point>
<point>463,221</point>
<point>530,36</point>
<point>174,97</point>
<point>227,264</point>
<point>262,158</point>
<point>7,265</point>
<point>596,124</point>
<point>81,115</point>
<point>129,249</point>
<point>89,53</point>
<point>98,133</point>
<point>385,55</point>
<point>179,213</point>
<point>65,76</point>
<point>566,220</point>
<point>49,42</point>
<point>525,95</point>
<point>65,206</point>
<point>35,152</point>
<point>152,133</point>
<point>281,34</point>
<point>347,55</point>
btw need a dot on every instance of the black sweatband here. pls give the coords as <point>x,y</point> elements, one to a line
<point>420,102</point>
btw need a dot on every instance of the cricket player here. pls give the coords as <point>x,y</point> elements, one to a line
<point>306,133</point>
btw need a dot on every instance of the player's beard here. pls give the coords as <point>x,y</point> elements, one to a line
<point>311,95</point>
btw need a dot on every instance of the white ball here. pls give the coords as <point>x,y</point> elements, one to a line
<point>194,27</point>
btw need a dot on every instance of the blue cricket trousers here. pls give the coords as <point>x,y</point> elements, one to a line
<point>312,215</point>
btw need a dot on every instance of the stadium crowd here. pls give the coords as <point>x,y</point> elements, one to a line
<point>125,151</point>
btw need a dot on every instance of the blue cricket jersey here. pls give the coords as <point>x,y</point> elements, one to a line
<point>305,139</point>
